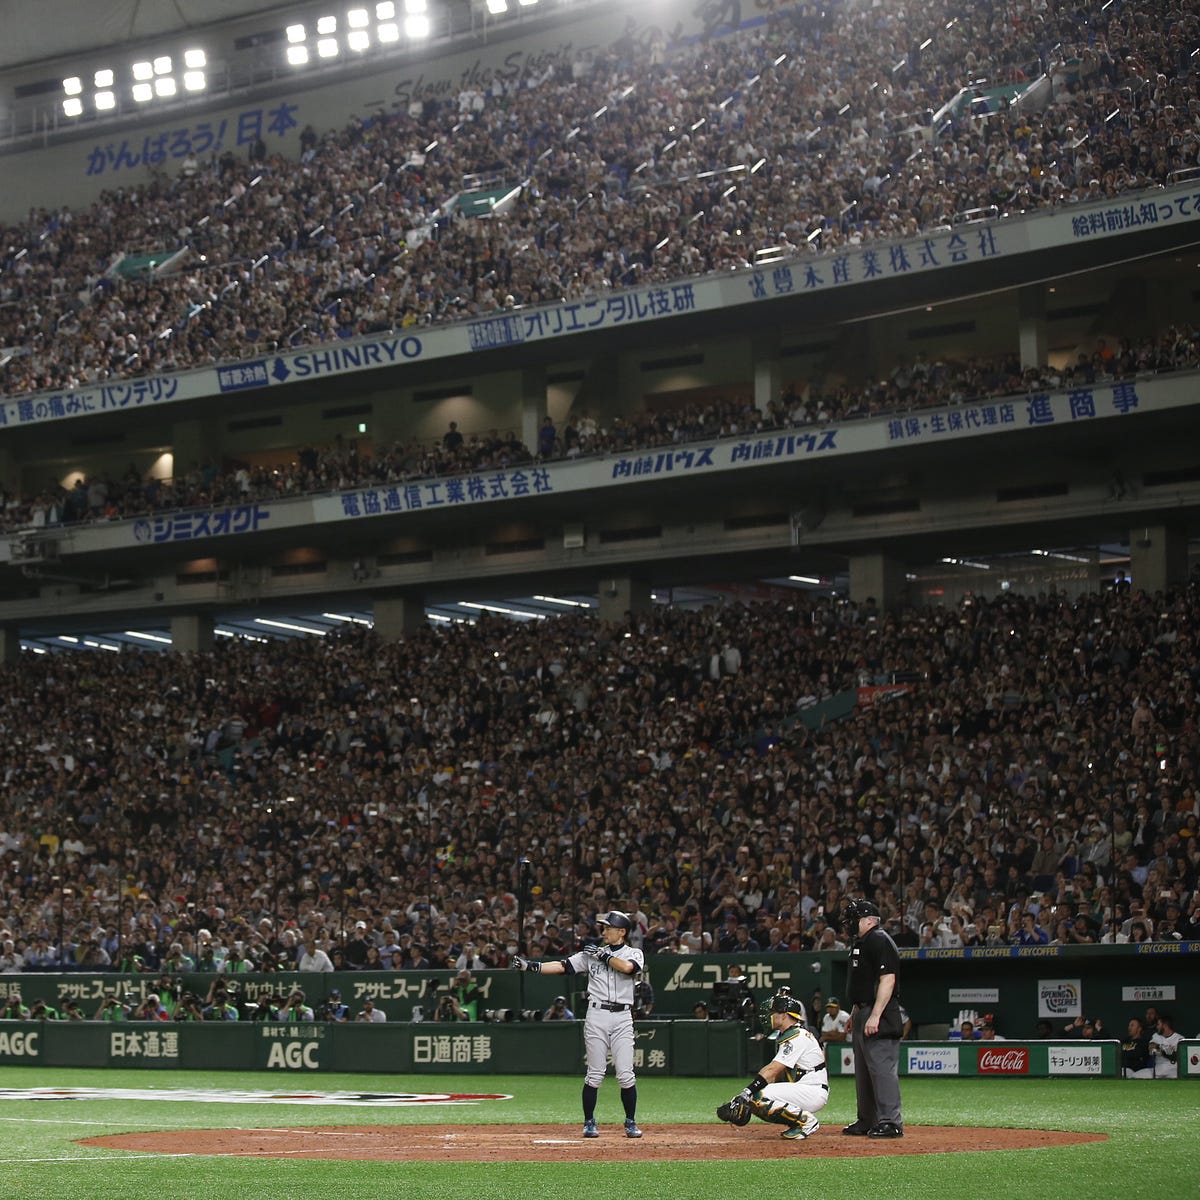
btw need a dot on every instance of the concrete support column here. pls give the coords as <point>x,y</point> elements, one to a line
<point>1031,325</point>
<point>10,471</point>
<point>621,596</point>
<point>10,644</point>
<point>397,616</point>
<point>533,405</point>
<point>877,577</point>
<point>192,442</point>
<point>1158,558</point>
<point>768,370</point>
<point>191,633</point>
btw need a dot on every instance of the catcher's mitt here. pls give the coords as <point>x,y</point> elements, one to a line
<point>735,1111</point>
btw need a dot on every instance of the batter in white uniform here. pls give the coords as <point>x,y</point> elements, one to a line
<point>608,1024</point>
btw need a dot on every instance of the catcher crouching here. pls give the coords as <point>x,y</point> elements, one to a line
<point>794,1086</point>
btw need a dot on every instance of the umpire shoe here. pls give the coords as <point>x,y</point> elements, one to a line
<point>631,1128</point>
<point>858,1129</point>
<point>589,1128</point>
<point>885,1129</point>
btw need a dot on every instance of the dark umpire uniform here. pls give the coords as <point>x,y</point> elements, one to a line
<point>873,991</point>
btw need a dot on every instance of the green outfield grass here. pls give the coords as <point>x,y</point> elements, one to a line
<point>1152,1149</point>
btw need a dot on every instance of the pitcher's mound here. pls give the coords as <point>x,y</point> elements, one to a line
<point>554,1143</point>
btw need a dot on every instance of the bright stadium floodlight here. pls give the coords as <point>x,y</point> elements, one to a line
<point>195,60</point>
<point>143,92</point>
<point>143,70</point>
<point>387,33</point>
<point>295,33</point>
<point>385,11</point>
<point>165,86</point>
<point>73,86</point>
<point>297,55</point>
<point>417,26</point>
<point>103,78</point>
<point>104,101</point>
<point>416,7</point>
<point>527,3</point>
<point>194,81</point>
<point>496,7</point>
<point>358,39</point>
<point>162,65</point>
<point>327,48</point>
<point>73,106</point>
<point>326,25</point>
<point>358,18</point>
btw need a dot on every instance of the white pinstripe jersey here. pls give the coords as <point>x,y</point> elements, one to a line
<point>605,984</point>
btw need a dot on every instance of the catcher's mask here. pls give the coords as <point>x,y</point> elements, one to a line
<point>854,912</point>
<point>782,1002</point>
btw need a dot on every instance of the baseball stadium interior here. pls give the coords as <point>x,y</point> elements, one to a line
<point>467,467</point>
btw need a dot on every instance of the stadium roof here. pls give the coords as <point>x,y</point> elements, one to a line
<point>89,25</point>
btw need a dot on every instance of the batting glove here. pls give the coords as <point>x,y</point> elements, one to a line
<point>524,964</point>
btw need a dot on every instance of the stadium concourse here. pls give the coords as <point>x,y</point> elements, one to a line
<point>807,133</point>
<point>1039,758</point>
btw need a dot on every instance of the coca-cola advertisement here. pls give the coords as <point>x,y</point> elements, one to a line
<point>1009,1061</point>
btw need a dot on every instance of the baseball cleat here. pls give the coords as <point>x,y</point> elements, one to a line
<point>807,1126</point>
<point>885,1129</point>
<point>858,1129</point>
<point>589,1128</point>
<point>631,1129</point>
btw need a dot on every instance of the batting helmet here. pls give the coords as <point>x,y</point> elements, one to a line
<point>618,920</point>
<point>855,911</point>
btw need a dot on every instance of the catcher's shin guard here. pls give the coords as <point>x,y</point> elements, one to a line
<point>776,1112</point>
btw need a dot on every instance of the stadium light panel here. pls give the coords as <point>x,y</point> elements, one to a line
<point>417,26</point>
<point>104,101</point>
<point>143,92</point>
<point>73,106</point>
<point>295,33</point>
<point>327,48</point>
<point>194,81</point>
<point>326,25</point>
<point>165,86</point>
<point>385,11</point>
<point>73,86</point>
<point>388,32</point>
<point>358,39</point>
<point>496,7</point>
<point>162,65</point>
<point>416,7</point>
<point>195,60</point>
<point>527,3</point>
<point>143,70</point>
<point>297,55</point>
<point>103,78</point>
<point>358,18</point>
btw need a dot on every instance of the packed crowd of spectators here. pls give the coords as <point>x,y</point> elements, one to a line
<point>648,160</point>
<point>343,803</point>
<point>911,384</point>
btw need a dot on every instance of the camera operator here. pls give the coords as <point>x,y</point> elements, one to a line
<point>467,994</point>
<point>39,1010</point>
<point>448,1008</point>
<point>188,1008</point>
<point>333,1009</point>
<point>267,1007</point>
<point>150,1009</point>
<point>558,1011</point>
<point>111,1009</point>
<point>371,1013</point>
<point>295,1008</point>
<point>72,1011</point>
<point>220,1006</point>
<point>14,1009</point>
